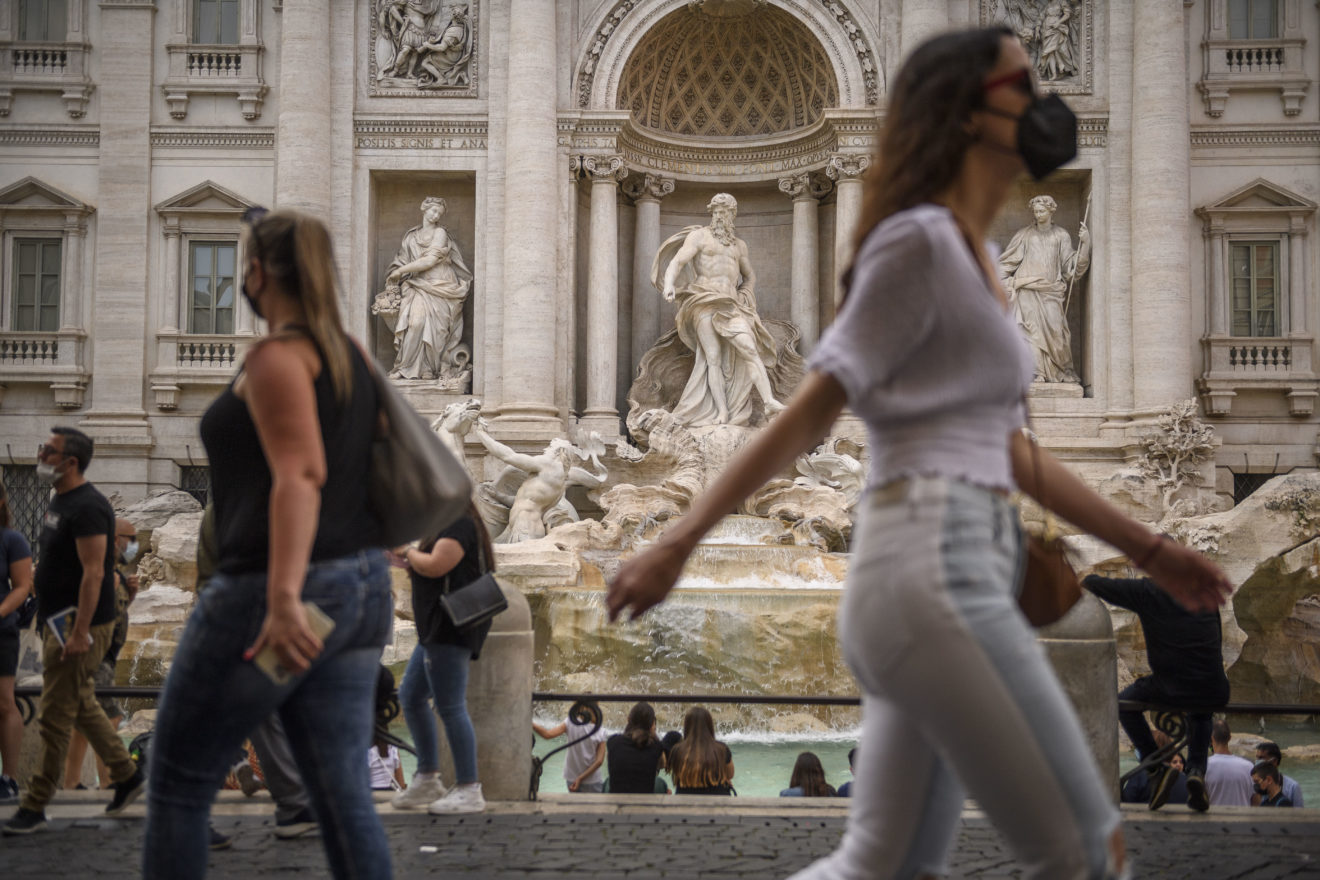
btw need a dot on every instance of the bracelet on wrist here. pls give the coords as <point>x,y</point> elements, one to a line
<point>1151,552</point>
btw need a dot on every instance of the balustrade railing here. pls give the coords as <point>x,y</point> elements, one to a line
<point>213,63</point>
<point>207,353</point>
<point>40,60</point>
<point>1254,59</point>
<point>1260,357</point>
<point>29,350</point>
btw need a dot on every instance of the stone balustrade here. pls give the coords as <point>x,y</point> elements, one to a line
<point>1253,64</point>
<point>194,360</point>
<point>1265,363</point>
<point>221,69</point>
<point>211,62</point>
<point>53,359</point>
<point>40,60</point>
<point>46,67</point>
<point>29,349</point>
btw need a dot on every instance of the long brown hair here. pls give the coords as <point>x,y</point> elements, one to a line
<point>699,760</point>
<point>809,775</point>
<point>925,134</point>
<point>641,718</point>
<point>295,249</point>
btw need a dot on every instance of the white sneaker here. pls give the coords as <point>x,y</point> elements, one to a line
<point>461,799</point>
<point>424,789</point>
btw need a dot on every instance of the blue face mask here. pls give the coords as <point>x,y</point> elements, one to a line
<point>130,552</point>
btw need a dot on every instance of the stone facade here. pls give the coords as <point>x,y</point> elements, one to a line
<point>569,139</point>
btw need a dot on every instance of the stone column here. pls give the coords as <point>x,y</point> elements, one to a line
<point>302,136</point>
<point>116,418</point>
<point>805,190</point>
<point>1218,305</point>
<point>921,19</point>
<point>600,414</point>
<point>1161,293</point>
<point>531,205</point>
<point>169,315</point>
<point>1297,287</point>
<point>71,311</point>
<point>646,191</point>
<point>846,170</point>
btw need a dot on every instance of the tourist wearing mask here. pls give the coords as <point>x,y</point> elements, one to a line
<point>957,698</point>
<point>289,443</point>
<point>699,763</point>
<point>15,587</point>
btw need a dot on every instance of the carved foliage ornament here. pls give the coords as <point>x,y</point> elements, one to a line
<point>1058,36</point>
<point>423,48</point>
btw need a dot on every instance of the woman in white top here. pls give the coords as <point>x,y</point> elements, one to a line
<point>957,698</point>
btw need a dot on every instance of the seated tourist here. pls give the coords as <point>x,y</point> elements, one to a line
<point>701,764</point>
<point>845,790</point>
<point>636,756</point>
<point>1268,783</point>
<point>808,779</point>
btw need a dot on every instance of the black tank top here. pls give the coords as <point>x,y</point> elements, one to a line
<point>241,481</point>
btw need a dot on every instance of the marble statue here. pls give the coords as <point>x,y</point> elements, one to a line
<point>422,44</point>
<point>670,449</point>
<point>527,498</point>
<point>1038,269</point>
<point>817,506</point>
<point>710,276</point>
<point>425,288</point>
<point>1051,31</point>
<point>454,424</point>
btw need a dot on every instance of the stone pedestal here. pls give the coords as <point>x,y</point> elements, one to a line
<point>1082,651</point>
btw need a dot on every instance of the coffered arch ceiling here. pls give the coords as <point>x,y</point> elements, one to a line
<point>758,74</point>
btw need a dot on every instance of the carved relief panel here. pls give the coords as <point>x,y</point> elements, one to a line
<point>1058,35</point>
<point>423,48</point>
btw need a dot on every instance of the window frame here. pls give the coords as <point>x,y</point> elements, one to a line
<point>23,18</point>
<point>16,242</point>
<point>1276,25</point>
<point>195,26</point>
<point>189,291</point>
<point>1279,246</point>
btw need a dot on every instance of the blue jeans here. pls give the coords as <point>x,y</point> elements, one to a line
<point>440,672</point>
<point>214,698</point>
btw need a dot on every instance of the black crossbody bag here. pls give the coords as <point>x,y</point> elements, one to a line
<point>477,602</point>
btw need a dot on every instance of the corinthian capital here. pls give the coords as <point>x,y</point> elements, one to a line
<point>846,166</point>
<point>648,186</point>
<point>804,186</point>
<point>604,168</point>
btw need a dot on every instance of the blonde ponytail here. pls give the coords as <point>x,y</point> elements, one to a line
<point>295,249</point>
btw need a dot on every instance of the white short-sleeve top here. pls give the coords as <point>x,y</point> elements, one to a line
<point>929,359</point>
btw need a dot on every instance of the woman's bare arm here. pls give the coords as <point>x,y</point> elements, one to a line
<point>1189,577</point>
<point>645,580</point>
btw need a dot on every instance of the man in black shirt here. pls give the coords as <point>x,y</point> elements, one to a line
<point>1187,671</point>
<point>76,571</point>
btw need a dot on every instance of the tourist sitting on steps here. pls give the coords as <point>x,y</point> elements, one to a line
<point>1268,783</point>
<point>585,754</point>
<point>636,756</point>
<point>701,764</point>
<point>808,779</point>
<point>845,790</point>
<point>1268,751</point>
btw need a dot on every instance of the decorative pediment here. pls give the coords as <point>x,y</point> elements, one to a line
<point>31,194</point>
<point>1260,195</point>
<point>206,197</point>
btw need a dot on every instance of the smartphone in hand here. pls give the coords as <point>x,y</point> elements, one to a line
<point>268,663</point>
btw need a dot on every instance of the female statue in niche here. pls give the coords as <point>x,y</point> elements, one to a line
<point>1038,269</point>
<point>425,290</point>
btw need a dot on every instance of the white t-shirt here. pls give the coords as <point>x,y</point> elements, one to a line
<point>579,756</point>
<point>382,769</point>
<point>929,359</point>
<point>1228,781</point>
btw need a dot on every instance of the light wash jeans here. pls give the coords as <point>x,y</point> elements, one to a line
<point>440,673</point>
<point>957,697</point>
<point>214,698</point>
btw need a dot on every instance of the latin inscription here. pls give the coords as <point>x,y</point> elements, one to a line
<point>374,142</point>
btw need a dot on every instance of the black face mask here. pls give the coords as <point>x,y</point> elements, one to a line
<point>1047,134</point>
<point>251,300</point>
<point>1259,789</point>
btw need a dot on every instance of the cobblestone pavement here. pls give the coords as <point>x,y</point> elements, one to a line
<point>604,838</point>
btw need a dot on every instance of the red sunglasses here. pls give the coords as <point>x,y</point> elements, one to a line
<point>1018,79</point>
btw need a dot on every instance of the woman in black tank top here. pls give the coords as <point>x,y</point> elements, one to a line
<point>299,608</point>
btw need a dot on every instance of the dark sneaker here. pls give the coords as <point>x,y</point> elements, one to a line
<point>219,841</point>
<point>1197,796</point>
<point>296,826</point>
<point>8,790</point>
<point>1161,783</point>
<point>126,792</point>
<point>25,822</point>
